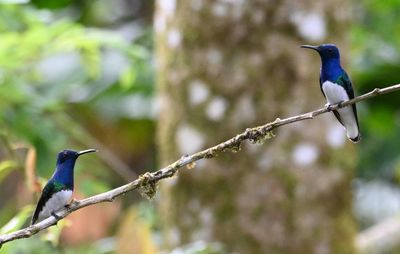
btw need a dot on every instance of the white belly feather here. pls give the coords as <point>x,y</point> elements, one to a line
<point>335,94</point>
<point>55,203</point>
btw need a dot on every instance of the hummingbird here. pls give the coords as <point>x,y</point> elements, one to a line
<point>336,87</point>
<point>57,193</point>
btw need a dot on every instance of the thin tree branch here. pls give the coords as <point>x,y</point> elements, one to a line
<point>146,183</point>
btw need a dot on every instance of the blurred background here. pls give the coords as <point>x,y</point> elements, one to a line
<point>147,81</point>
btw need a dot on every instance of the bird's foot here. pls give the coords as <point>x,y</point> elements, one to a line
<point>328,107</point>
<point>56,217</point>
<point>340,104</point>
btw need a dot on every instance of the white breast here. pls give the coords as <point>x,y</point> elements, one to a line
<point>334,94</point>
<point>55,203</point>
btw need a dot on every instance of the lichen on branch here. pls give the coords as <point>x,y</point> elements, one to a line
<point>146,184</point>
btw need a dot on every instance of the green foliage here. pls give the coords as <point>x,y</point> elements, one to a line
<point>31,245</point>
<point>377,35</point>
<point>18,221</point>
<point>376,40</point>
<point>51,4</point>
<point>6,167</point>
<point>58,80</point>
<point>32,91</point>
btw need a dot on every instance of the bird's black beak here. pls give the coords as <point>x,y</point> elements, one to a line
<point>316,48</point>
<point>87,151</point>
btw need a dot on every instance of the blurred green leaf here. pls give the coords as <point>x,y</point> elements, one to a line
<point>381,122</point>
<point>128,78</point>
<point>6,167</point>
<point>18,220</point>
<point>51,4</point>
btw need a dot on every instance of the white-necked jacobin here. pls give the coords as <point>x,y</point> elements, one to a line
<point>336,87</point>
<point>57,193</point>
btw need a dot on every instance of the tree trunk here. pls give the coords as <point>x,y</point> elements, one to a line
<point>226,65</point>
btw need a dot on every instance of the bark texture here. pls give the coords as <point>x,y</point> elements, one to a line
<point>223,66</point>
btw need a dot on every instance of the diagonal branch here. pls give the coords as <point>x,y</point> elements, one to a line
<point>146,183</point>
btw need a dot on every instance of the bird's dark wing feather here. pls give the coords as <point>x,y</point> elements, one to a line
<point>320,86</point>
<point>345,82</point>
<point>48,190</point>
<point>337,115</point>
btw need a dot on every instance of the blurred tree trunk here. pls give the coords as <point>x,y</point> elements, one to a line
<point>226,65</point>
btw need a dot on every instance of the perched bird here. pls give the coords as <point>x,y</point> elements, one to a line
<point>58,191</point>
<point>336,87</point>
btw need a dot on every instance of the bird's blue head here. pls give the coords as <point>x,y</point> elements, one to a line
<point>330,58</point>
<point>65,165</point>
<point>326,51</point>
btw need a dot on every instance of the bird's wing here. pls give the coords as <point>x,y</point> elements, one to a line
<point>320,86</point>
<point>47,191</point>
<point>345,82</point>
<point>337,115</point>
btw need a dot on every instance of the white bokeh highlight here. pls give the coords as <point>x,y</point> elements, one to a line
<point>305,154</point>
<point>168,7</point>
<point>336,136</point>
<point>174,38</point>
<point>189,140</point>
<point>311,26</point>
<point>198,92</point>
<point>244,111</point>
<point>216,108</point>
<point>219,9</point>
